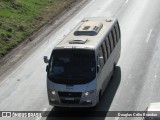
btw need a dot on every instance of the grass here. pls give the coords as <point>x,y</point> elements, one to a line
<point>20,18</point>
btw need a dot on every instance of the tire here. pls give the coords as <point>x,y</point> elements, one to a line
<point>99,97</point>
<point>114,68</point>
<point>57,108</point>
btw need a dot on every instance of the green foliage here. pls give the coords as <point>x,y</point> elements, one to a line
<point>20,18</point>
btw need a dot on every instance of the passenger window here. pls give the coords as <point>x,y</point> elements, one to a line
<point>117,31</point>
<point>104,51</point>
<point>114,36</point>
<point>108,46</point>
<point>105,43</point>
<point>100,55</point>
<point>111,41</point>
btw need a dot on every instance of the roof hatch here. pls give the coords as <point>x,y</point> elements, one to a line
<point>89,28</point>
<point>78,41</point>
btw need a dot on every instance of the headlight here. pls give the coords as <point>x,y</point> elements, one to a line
<point>86,93</point>
<point>89,92</point>
<point>52,92</point>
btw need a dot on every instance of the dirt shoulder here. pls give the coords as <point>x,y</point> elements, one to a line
<point>20,18</point>
<point>37,38</point>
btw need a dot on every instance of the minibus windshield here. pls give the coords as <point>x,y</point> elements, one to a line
<point>72,66</point>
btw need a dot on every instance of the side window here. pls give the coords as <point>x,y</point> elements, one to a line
<point>114,36</point>
<point>100,55</point>
<point>104,51</point>
<point>117,31</point>
<point>111,41</point>
<point>108,46</point>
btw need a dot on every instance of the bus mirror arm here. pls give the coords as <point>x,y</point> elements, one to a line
<point>45,58</point>
<point>47,68</point>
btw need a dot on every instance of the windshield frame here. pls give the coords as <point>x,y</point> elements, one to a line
<point>72,51</point>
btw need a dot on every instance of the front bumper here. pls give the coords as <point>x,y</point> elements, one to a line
<point>74,99</point>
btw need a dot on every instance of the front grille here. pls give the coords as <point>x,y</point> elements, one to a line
<point>70,94</point>
<point>70,97</point>
<point>70,101</point>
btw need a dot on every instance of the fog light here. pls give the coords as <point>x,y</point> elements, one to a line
<point>53,101</point>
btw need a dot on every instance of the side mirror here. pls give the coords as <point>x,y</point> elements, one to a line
<point>45,58</point>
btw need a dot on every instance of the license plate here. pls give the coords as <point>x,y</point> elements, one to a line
<point>69,98</point>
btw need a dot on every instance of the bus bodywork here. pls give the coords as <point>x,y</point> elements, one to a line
<point>81,65</point>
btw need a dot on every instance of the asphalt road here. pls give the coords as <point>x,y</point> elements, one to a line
<point>136,79</point>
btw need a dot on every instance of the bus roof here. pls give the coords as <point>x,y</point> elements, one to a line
<point>88,34</point>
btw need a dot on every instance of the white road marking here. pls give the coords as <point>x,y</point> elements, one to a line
<point>149,35</point>
<point>124,4</point>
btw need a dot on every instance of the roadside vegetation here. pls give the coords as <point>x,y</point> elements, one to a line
<point>20,18</point>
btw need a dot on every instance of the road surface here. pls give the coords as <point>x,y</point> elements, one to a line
<point>136,79</point>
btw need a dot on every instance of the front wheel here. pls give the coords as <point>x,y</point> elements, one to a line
<point>99,98</point>
<point>114,68</point>
<point>98,101</point>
